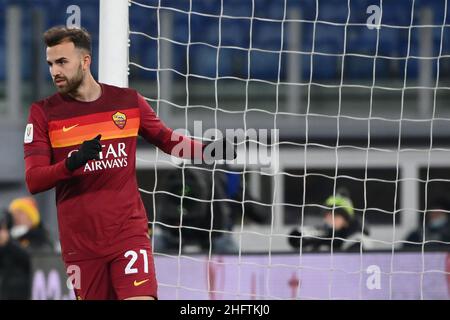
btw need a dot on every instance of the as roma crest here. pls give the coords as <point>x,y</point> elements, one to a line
<point>120,119</point>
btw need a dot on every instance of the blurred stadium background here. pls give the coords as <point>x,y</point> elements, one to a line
<point>361,108</point>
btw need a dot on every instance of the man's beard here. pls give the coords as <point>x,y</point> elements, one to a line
<point>72,84</point>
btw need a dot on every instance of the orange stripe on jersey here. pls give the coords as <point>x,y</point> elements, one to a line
<point>118,124</point>
<point>92,118</point>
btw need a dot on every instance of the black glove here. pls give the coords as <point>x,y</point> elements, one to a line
<point>89,150</point>
<point>221,149</point>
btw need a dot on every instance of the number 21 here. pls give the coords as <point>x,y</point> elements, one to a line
<point>134,256</point>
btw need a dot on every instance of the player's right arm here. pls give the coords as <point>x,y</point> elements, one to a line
<point>40,174</point>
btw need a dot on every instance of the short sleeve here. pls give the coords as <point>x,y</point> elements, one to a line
<point>36,140</point>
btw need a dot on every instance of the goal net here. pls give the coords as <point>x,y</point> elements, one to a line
<point>338,110</point>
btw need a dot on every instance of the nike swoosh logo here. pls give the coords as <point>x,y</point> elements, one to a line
<point>69,128</point>
<point>138,283</point>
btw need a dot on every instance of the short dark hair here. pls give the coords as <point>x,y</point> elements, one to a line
<point>79,36</point>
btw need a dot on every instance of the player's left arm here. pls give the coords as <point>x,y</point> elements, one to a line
<point>40,173</point>
<point>153,130</point>
<point>156,132</point>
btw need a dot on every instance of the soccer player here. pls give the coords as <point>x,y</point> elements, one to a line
<point>82,141</point>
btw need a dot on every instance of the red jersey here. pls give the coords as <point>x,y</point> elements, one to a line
<point>99,206</point>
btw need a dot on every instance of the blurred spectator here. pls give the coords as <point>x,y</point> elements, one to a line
<point>197,210</point>
<point>345,232</point>
<point>234,188</point>
<point>21,235</point>
<point>194,212</point>
<point>437,228</point>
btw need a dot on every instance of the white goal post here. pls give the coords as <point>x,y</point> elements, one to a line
<point>113,42</point>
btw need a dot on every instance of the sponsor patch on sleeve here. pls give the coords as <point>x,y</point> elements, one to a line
<point>28,138</point>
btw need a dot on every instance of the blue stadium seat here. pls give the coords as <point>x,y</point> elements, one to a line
<point>307,37</point>
<point>177,4</point>
<point>306,67</point>
<point>325,66</point>
<point>2,15</point>
<point>358,67</point>
<point>179,58</point>
<point>447,20</point>
<point>389,42</point>
<point>2,59</point>
<point>90,17</point>
<point>144,20</point>
<point>235,33</point>
<point>181,28</point>
<point>329,39</point>
<point>391,13</point>
<point>270,9</point>
<point>202,60</point>
<point>266,35</point>
<point>95,57</point>
<point>226,62</point>
<point>336,12</point>
<point>438,10</point>
<point>264,65</point>
<point>237,8</point>
<point>413,68</point>
<point>361,41</point>
<point>204,29</point>
<point>148,58</point>
<point>207,6</point>
<point>393,42</point>
<point>358,11</point>
<point>239,67</point>
<point>445,42</point>
<point>437,41</point>
<point>307,8</point>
